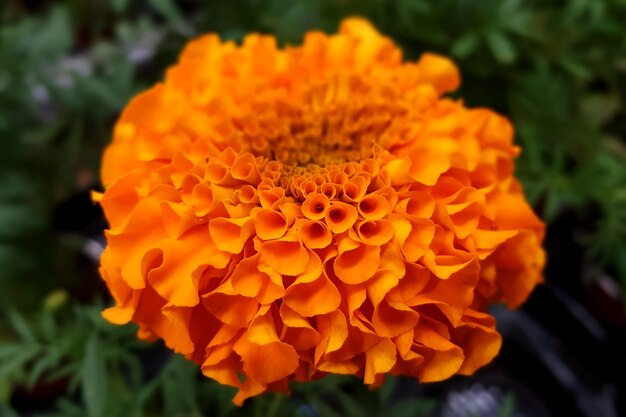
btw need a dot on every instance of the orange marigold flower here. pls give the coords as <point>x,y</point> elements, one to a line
<point>281,214</point>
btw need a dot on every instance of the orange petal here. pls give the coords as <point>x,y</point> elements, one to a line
<point>357,265</point>
<point>486,241</point>
<point>391,319</point>
<point>453,295</point>
<point>286,258</point>
<point>298,332</point>
<point>176,336</point>
<point>125,297</point>
<point>230,235</point>
<point>177,218</point>
<point>249,389</point>
<point>117,162</point>
<point>120,199</point>
<point>202,199</point>
<point>340,217</point>
<point>230,307</point>
<point>398,171</point>
<point>442,359</point>
<point>315,234</point>
<point>416,204</point>
<point>418,240</point>
<point>167,322</point>
<point>444,265</point>
<point>355,189</point>
<point>427,165</point>
<point>375,233</point>
<point>479,339</point>
<point>439,71</point>
<point>514,213</point>
<point>334,330</point>
<point>224,372</point>
<point>157,108</point>
<point>410,284</point>
<point>249,281</point>
<point>142,233</point>
<point>379,360</point>
<point>315,206</point>
<point>269,224</point>
<point>313,298</point>
<point>465,215</point>
<point>246,169</point>
<point>184,260</point>
<point>520,261</point>
<point>373,207</point>
<point>262,330</point>
<point>345,367</point>
<point>267,363</point>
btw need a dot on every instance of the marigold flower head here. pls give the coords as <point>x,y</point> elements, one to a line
<point>282,214</point>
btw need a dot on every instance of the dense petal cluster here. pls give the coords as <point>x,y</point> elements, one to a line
<point>281,214</point>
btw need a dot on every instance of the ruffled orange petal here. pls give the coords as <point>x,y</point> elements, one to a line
<point>313,298</point>
<point>357,265</point>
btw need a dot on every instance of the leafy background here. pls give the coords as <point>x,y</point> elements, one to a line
<point>67,68</point>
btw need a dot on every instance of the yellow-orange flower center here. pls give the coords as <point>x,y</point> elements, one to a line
<point>316,141</point>
<point>316,138</point>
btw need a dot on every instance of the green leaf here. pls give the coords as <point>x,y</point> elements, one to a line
<point>146,392</point>
<point>21,327</point>
<point>179,387</point>
<point>386,391</point>
<point>501,47</point>
<point>168,9</point>
<point>600,108</point>
<point>7,411</point>
<point>100,91</point>
<point>575,68</point>
<point>15,186</point>
<point>47,326</point>
<point>94,378</point>
<point>19,219</point>
<point>507,408</point>
<point>69,408</point>
<point>7,351</point>
<point>465,45</point>
<point>18,361</point>
<point>72,370</point>
<point>275,404</point>
<point>414,407</point>
<point>350,405</point>
<point>16,263</point>
<point>120,6</point>
<point>323,410</point>
<point>48,361</point>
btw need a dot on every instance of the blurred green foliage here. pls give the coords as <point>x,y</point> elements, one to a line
<point>557,68</point>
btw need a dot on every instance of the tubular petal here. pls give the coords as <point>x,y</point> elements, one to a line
<point>340,217</point>
<point>315,235</point>
<point>269,224</point>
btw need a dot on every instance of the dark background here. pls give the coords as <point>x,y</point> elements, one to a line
<point>67,68</point>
